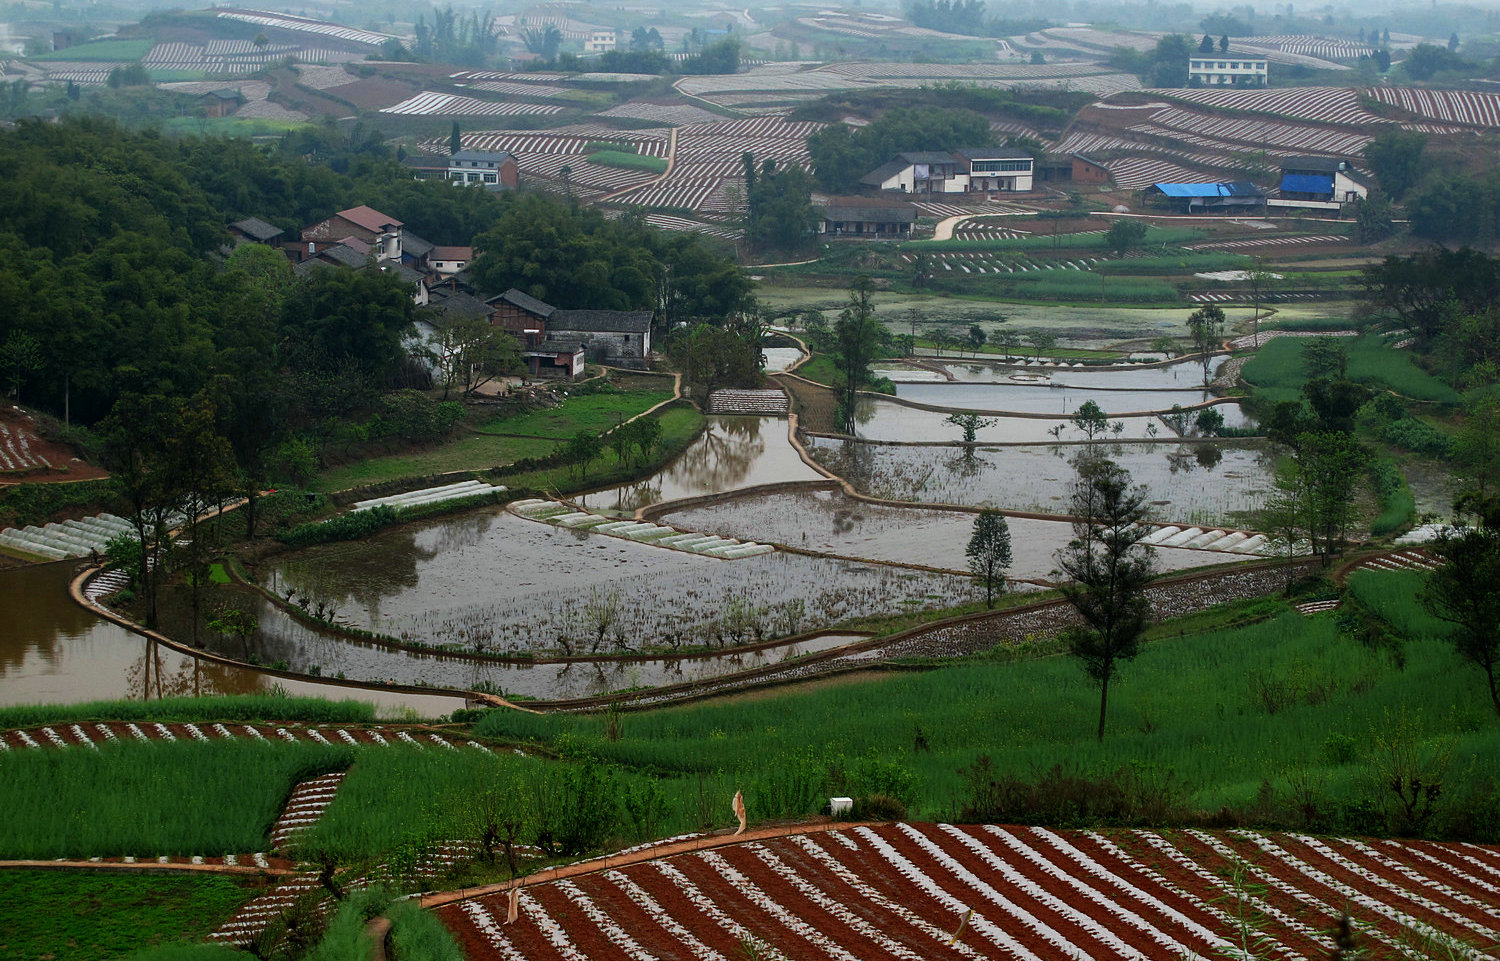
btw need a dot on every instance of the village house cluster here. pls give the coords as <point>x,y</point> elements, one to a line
<point>553,342</point>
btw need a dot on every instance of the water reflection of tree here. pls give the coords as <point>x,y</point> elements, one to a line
<point>967,465</point>
<point>39,614</point>
<point>722,457</point>
<point>162,672</point>
<point>1186,459</point>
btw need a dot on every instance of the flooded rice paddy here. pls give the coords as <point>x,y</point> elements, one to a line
<point>303,649</point>
<point>878,419</point>
<point>1062,401</point>
<point>1184,375</point>
<point>833,522</point>
<point>779,358</point>
<point>494,583</point>
<point>1201,483</point>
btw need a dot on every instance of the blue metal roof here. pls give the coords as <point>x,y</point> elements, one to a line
<point>1307,183</point>
<point>1210,190</point>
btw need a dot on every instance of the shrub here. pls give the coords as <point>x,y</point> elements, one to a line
<point>345,527</point>
<point>418,935</point>
<point>878,807</point>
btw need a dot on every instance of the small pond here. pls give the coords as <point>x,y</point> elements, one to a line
<point>733,452</point>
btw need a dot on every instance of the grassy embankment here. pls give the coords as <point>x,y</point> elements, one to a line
<point>1250,719</point>
<point>628,161</point>
<point>94,916</point>
<point>1277,374</point>
<point>504,440</point>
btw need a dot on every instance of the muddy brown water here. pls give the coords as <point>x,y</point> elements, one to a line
<point>54,652</point>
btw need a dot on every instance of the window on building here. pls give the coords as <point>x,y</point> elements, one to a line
<point>490,178</point>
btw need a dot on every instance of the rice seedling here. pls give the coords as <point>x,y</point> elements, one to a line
<point>151,798</point>
<point>234,707</point>
<point>76,915</point>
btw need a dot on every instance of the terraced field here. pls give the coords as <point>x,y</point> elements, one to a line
<point>936,891</point>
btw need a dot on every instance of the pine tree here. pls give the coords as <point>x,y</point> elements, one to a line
<point>989,553</point>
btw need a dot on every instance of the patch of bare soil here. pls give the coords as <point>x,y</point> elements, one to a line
<point>27,456</point>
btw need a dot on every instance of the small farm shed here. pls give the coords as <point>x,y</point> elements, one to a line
<point>1196,198</point>
<point>872,218</point>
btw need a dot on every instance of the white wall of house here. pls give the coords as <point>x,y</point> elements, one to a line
<point>447,266</point>
<point>1226,69</point>
<point>1346,189</point>
<point>987,175</point>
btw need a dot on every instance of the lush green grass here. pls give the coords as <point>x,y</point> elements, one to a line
<point>1277,374</point>
<point>86,915</point>
<point>418,935</point>
<point>820,369</point>
<point>391,796</point>
<point>591,412</point>
<point>1195,708</point>
<point>234,707</point>
<point>628,161</point>
<point>468,452</point>
<point>101,50</point>
<point>229,126</point>
<point>153,798</point>
<point>1155,237</point>
<point>344,939</point>
<point>680,424</point>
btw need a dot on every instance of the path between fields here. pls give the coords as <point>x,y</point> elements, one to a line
<point>650,852</point>
<point>671,162</point>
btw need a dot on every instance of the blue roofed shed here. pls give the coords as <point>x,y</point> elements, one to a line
<point>1191,197</point>
<point>1320,186</point>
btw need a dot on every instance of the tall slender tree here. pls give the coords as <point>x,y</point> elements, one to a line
<point>1465,592</point>
<point>1105,570</point>
<point>856,344</point>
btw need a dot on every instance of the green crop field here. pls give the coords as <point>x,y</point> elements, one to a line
<point>595,413</point>
<point>94,915</point>
<point>1220,714</point>
<point>1277,374</point>
<point>149,799</point>
<point>236,707</point>
<point>628,161</point>
<point>119,51</point>
<point>468,452</point>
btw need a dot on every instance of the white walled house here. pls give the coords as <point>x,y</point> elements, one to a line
<point>969,170</point>
<point>1321,179</point>
<point>598,41</point>
<point>1226,70</point>
<point>998,169</point>
<point>449,260</point>
<point>918,172</point>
